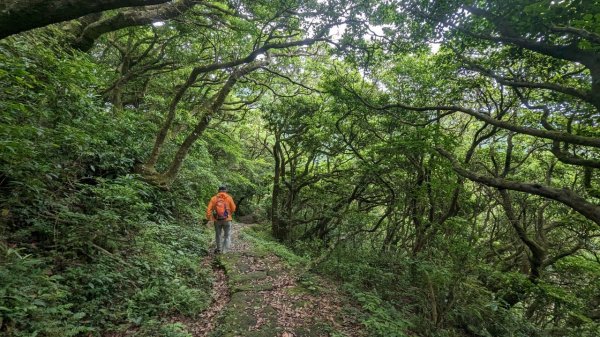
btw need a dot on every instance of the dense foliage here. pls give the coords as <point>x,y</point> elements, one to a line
<point>88,246</point>
<point>439,158</point>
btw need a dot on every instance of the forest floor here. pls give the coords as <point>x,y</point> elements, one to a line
<point>257,294</point>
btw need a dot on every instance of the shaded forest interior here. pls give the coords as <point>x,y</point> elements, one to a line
<point>439,160</point>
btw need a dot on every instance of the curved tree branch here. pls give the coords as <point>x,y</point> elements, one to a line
<point>19,16</point>
<point>584,95</point>
<point>593,37</point>
<point>162,134</point>
<point>569,52</point>
<point>538,251</point>
<point>564,195</point>
<point>210,109</point>
<point>547,134</point>
<point>129,18</point>
<point>568,158</point>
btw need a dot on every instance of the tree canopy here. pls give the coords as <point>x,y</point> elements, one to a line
<point>440,158</point>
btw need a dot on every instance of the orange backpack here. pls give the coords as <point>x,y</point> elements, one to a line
<point>220,211</point>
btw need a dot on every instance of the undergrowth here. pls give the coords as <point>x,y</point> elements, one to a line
<point>262,240</point>
<point>87,247</point>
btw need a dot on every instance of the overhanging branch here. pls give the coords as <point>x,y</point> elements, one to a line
<point>547,134</point>
<point>129,18</point>
<point>564,195</point>
<point>19,16</point>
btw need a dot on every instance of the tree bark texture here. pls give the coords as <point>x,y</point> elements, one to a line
<point>210,108</point>
<point>20,16</point>
<point>275,216</point>
<point>129,18</point>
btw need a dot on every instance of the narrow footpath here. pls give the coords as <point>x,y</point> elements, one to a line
<point>256,294</point>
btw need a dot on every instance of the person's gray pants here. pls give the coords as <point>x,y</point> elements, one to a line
<point>223,225</point>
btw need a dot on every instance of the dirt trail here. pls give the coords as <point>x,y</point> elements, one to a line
<point>257,295</point>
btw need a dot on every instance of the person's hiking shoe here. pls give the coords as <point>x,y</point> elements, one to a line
<point>217,251</point>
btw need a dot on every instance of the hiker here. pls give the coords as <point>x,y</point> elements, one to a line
<point>219,211</point>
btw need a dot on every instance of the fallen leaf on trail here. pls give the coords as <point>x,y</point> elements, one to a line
<point>285,304</point>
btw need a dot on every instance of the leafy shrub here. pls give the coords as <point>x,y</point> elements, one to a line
<point>383,319</point>
<point>263,241</point>
<point>85,245</point>
<point>33,301</point>
<point>157,328</point>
